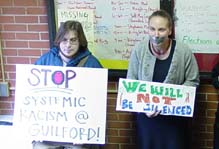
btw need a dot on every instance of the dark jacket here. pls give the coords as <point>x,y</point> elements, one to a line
<point>52,58</point>
<point>215,76</point>
<point>215,82</point>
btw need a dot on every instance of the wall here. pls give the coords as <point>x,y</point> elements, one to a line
<point>24,33</point>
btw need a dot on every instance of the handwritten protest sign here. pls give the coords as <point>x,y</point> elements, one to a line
<point>61,104</point>
<point>143,96</point>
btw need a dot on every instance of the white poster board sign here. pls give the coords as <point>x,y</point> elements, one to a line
<point>143,96</point>
<point>61,104</point>
<point>13,138</point>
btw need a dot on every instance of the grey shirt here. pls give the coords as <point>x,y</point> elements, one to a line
<point>183,69</point>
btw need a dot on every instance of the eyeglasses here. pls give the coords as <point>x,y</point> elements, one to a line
<point>71,41</point>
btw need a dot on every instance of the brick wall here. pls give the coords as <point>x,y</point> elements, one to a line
<point>24,34</point>
<point>24,37</point>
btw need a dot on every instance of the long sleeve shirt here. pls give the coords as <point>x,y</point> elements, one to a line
<point>183,68</point>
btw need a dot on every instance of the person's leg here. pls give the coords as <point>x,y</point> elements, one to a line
<point>74,147</point>
<point>42,145</point>
<point>144,132</point>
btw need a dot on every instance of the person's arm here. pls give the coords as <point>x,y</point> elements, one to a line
<point>49,58</point>
<point>191,70</point>
<point>132,72</point>
<point>215,76</point>
<point>42,60</point>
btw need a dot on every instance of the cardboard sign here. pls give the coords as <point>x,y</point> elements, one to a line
<point>143,96</point>
<point>61,104</point>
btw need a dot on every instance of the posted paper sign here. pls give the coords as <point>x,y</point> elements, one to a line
<point>143,96</point>
<point>61,104</point>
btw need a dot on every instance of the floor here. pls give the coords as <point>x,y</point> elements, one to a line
<point>11,137</point>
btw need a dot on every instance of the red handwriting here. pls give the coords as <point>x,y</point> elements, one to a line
<point>146,98</point>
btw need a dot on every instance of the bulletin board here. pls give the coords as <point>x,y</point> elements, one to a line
<point>196,24</point>
<point>129,21</point>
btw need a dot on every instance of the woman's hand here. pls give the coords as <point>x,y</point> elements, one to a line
<point>153,113</point>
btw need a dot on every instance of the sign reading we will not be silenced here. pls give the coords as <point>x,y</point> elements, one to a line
<point>144,96</point>
<point>59,104</point>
